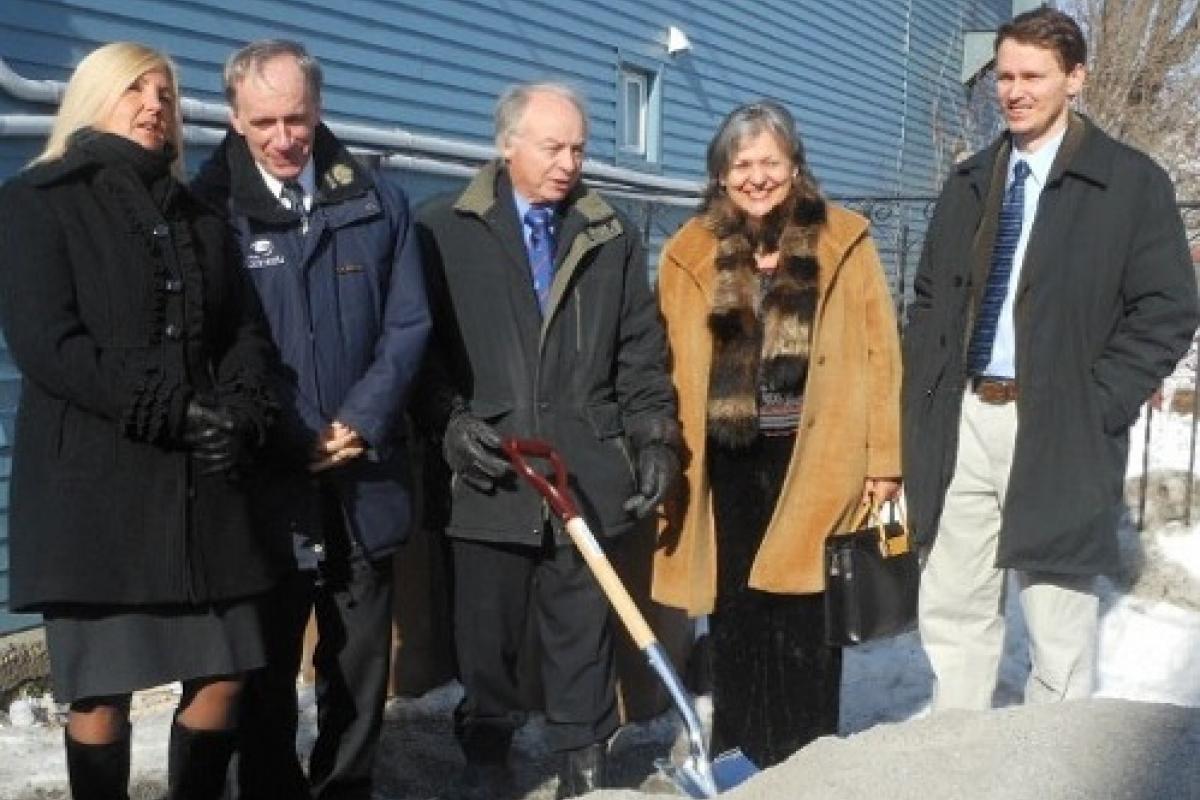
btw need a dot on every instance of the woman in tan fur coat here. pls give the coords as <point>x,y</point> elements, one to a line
<point>786,360</point>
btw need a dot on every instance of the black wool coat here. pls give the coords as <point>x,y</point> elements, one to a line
<point>590,376</point>
<point>1106,305</point>
<point>117,314</point>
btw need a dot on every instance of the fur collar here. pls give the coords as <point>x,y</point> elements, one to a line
<point>761,332</point>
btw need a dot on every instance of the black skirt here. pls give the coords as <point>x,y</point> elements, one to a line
<point>776,685</point>
<point>98,650</point>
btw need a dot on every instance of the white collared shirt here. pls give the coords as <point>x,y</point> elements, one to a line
<point>1004,347</point>
<point>307,180</point>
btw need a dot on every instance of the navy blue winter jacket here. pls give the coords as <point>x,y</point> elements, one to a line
<point>347,308</point>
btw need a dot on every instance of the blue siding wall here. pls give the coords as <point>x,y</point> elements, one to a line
<point>850,71</point>
<point>867,80</point>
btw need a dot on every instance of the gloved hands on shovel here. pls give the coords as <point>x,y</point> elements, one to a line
<point>472,449</point>
<point>658,466</point>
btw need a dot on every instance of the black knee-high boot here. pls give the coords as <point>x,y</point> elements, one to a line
<point>98,771</point>
<point>196,762</point>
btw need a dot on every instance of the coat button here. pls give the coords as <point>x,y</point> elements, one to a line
<point>172,331</point>
<point>161,231</point>
<point>543,406</point>
<point>821,359</point>
<point>958,281</point>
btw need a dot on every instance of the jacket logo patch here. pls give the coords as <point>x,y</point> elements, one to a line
<point>262,254</point>
<point>349,269</point>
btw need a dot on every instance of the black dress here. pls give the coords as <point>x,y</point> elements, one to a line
<point>776,685</point>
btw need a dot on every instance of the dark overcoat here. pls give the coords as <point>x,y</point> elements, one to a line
<point>116,315</point>
<point>345,302</point>
<point>1105,307</point>
<point>590,376</point>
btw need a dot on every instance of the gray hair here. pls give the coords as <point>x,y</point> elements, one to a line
<point>253,56</point>
<point>515,99</point>
<point>745,122</point>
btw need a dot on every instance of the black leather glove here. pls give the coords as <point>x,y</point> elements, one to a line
<point>658,468</point>
<point>470,447</point>
<point>212,437</point>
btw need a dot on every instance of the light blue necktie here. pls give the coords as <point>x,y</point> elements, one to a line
<point>541,251</point>
<point>1008,233</point>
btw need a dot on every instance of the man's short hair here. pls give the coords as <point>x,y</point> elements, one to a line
<point>513,101</point>
<point>1050,29</point>
<point>253,56</point>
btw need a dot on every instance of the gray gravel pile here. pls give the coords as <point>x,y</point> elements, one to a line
<point>1087,750</point>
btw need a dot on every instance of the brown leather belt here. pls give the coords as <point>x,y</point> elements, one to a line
<point>994,391</point>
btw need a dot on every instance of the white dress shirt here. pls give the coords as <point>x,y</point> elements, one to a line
<point>1004,347</point>
<point>307,180</point>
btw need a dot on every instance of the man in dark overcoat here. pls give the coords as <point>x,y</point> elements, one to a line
<point>331,250</point>
<point>1054,293</point>
<point>544,326</point>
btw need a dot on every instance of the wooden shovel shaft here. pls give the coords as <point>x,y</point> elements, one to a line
<point>616,592</point>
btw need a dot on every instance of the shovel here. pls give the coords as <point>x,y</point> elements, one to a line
<point>697,776</point>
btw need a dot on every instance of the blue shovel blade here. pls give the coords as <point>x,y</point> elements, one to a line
<point>732,768</point>
<point>728,770</point>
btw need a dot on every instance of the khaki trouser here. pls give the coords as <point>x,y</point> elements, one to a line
<point>961,615</point>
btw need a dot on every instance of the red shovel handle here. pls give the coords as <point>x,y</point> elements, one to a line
<point>557,493</point>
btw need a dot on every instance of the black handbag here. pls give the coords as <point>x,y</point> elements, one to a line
<point>871,580</point>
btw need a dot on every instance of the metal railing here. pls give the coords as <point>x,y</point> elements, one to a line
<point>1190,211</point>
<point>897,226</point>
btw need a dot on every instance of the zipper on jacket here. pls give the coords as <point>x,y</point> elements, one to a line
<point>578,321</point>
<point>627,455</point>
<point>537,424</point>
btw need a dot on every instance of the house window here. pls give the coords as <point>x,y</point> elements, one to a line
<point>635,98</point>
<point>639,113</point>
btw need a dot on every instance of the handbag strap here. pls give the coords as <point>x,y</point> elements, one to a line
<point>868,515</point>
<point>867,511</point>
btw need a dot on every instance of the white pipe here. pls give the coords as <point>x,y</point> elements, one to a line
<point>24,88</point>
<point>25,126</point>
<point>37,126</point>
<point>50,92</point>
<point>428,166</point>
<point>199,134</point>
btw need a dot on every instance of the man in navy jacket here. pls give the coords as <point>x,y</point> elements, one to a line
<point>331,251</point>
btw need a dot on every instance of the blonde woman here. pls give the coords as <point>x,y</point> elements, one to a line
<point>143,373</point>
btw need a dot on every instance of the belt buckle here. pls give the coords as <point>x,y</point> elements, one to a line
<point>995,391</point>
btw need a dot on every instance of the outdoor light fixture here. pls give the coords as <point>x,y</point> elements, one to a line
<point>677,41</point>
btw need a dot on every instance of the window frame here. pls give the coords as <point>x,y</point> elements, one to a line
<point>648,73</point>
<point>629,78</point>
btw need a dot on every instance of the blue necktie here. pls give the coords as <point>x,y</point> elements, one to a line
<point>1008,232</point>
<point>541,251</point>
